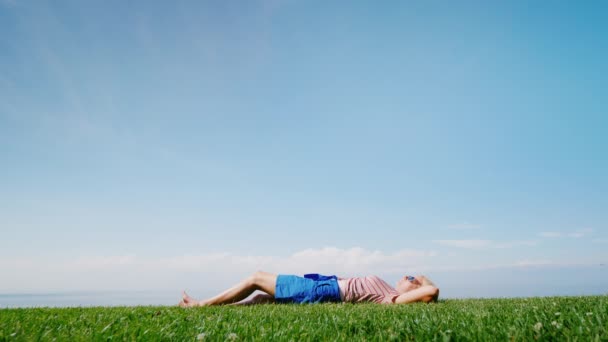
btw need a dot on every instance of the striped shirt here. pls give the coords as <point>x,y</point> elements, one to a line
<point>367,289</point>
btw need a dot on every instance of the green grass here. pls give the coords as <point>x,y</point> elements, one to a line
<point>548,318</point>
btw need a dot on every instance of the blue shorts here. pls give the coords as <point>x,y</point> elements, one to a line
<point>312,288</point>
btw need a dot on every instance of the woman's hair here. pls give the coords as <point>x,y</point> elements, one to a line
<point>427,281</point>
<point>436,296</point>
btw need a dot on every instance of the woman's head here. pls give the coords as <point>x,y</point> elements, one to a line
<point>408,283</point>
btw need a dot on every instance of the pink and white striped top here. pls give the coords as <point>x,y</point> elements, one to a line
<point>367,289</point>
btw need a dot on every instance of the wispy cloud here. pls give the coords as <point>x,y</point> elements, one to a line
<point>103,262</point>
<point>550,234</point>
<point>8,3</point>
<point>484,244</point>
<point>519,264</point>
<point>464,226</point>
<point>464,243</point>
<point>579,233</point>
<point>512,244</point>
<point>329,259</point>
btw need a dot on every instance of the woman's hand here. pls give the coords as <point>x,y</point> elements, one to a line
<point>425,281</point>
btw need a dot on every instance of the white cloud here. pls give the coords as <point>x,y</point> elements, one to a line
<point>464,243</point>
<point>529,263</point>
<point>512,244</point>
<point>484,244</point>
<point>8,3</point>
<point>525,263</point>
<point>464,226</point>
<point>101,262</point>
<point>329,259</point>
<point>579,233</point>
<point>550,234</point>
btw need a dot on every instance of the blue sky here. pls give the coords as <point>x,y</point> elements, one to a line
<point>186,144</point>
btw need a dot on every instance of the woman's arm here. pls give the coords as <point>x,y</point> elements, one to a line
<point>425,293</point>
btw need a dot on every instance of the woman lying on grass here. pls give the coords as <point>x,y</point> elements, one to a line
<point>315,288</point>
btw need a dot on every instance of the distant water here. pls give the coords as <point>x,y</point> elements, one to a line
<point>83,299</point>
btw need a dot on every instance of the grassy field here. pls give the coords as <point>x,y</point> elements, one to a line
<point>547,318</point>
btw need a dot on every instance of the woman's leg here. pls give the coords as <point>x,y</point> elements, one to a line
<point>260,298</point>
<point>262,281</point>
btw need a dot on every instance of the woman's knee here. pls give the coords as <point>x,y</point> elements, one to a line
<point>258,277</point>
<point>264,281</point>
<point>255,278</point>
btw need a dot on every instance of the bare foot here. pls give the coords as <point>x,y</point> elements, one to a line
<point>187,301</point>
